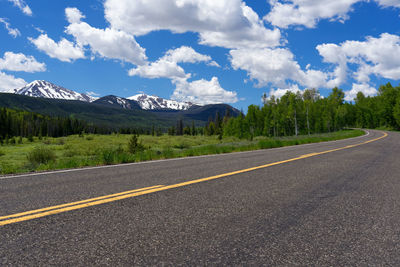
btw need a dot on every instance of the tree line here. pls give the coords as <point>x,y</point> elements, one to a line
<point>293,114</point>
<point>28,124</point>
<point>308,113</point>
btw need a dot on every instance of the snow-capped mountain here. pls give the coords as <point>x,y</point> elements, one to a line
<point>116,101</point>
<point>149,102</point>
<point>49,90</point>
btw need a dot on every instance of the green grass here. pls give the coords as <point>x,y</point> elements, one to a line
<point>95,150</point>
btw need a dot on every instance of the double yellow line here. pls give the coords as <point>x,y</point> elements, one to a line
<point>38,213</point>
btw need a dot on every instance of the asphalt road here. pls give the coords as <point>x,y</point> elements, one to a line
<point>340,208</point>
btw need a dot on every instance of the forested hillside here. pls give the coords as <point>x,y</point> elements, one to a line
<point>292,114</point>
<point>26,124</point>
<point>308,113</point>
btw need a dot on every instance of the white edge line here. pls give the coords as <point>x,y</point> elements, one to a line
<point>174,159</point>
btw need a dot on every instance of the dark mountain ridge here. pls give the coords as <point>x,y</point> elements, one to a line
<point>108,112</point>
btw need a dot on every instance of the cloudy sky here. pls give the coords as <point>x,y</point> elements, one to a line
<point>203,51</point>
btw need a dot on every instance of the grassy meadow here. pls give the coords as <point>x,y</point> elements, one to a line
<point>94,150</point>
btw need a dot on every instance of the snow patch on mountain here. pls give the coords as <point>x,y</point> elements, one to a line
<point>47,89</point>
<point>149,102</point>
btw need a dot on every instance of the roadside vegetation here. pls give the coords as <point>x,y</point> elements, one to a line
<point>33,142</point>
<point>76,151</point>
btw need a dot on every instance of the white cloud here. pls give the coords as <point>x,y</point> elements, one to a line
<point>279,92</point>
<point>285,13</point>
<point>224,23</point>
<point>22,6</point>
<point>167,66</point>
<point>307,12</point>
<point>159,69</point>
<point>185,54</point>
<point>374,56</point>
<point>199,91</point>
<point>107,43</point>
<point>64,50</point>
<point>19,62</point>
<point>389,3</point>
<point>11,31</point>
<point>275,67</point>
<point>73,15</point>
<point>202,92</point>
<point>366,89</point>
<point>9,82</point>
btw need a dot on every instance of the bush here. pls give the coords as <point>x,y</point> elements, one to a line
<point>2,153</point>
<point>167,153</point>
<point>134,145</point>
<point>182,145</point>
<point>47,142</point>
<point>12,141</point>
<point>113,155</point>
<point>41,155</point>
<point>61,141</point>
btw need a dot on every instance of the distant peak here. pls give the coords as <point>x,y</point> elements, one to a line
<point>152,102</point>
<point>45,89</point>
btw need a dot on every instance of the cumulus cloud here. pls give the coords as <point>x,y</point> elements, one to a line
<point>374,56</point>
<point>199,91</point>
<point>279,92</point>
<point>275,67</point>
<point>366,89</point>
<point>73,15</point>
<point>285,13</point>
<point>307,12</point>
<point>64,50</point>
<point>11,31</point>
<point>20,62</point>
<point>224,23</point>
<point>167,66</point>
<point>22,6</point>
<point>202,92</point>
<point>9,82</point>
<point>107,43</point>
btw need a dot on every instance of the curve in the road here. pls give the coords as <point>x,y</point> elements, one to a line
<point>33,214</point>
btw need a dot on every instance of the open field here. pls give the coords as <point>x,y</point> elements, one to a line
<point>93,150</point>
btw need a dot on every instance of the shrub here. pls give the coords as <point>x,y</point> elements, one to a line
<point>41,155</point>
<point>167,152</point>
<point>47,142</point>
<point>182,145</point>
<point>12,141</point>
<point>113,155</point>
<point>2,153</point>
<point>61,141</point>
<point>20,140</point>
<point>134,145</point>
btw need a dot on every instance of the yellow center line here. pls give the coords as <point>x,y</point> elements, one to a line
<point>33,214</point>
<point>75,203</point>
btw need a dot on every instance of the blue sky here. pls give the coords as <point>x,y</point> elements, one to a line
<point>201,51</point>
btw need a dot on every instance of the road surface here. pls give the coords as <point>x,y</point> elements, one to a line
<point>334,203</point>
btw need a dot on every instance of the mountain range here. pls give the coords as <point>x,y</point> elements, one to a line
<point>45,89</point>
<point>139,111</point>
